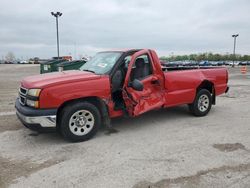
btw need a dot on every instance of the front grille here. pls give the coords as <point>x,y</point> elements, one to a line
<point>22,95</point>
<point>23,91</point>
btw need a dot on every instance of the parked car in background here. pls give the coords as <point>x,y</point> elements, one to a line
<point>235,63</point>
<point>9,62</point>
<point>221,63</point>
<point>174,64</point>
<point>179,63</point>
<point>243,63</point>
<point>23,62</point>
<point>214,63</point>
<point>169,64</point>
<point>163,62</point>
<point>192,63</point>
<point>184,63</point>
<point>204,63</point>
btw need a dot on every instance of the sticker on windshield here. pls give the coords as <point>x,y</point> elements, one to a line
<point>103,65</point>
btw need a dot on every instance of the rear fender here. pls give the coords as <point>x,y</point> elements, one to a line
<point>210,87</point>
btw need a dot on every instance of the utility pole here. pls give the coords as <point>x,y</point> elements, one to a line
<point>75,50</point>
<point>234,36</point>
<point>57,15</point>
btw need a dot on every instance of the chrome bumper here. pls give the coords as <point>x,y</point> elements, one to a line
<point>43,121</point>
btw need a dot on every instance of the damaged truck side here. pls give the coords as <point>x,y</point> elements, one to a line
<point>112,84</point>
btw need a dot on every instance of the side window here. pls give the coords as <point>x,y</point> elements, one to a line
<point>141,68</point>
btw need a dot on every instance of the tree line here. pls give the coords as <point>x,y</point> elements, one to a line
<point>207,57</point>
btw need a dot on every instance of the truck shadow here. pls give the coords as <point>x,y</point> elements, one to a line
<point>127,124</point>
<point>161,116</point>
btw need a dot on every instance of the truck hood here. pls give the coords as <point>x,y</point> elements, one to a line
<point>50,79</point>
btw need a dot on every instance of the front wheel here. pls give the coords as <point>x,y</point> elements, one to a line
<point>80,121</point>
<point>202,103</point>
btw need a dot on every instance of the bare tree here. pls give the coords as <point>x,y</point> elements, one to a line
<point>10,57</point>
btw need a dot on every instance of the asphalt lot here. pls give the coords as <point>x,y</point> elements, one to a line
<point>164,148</point>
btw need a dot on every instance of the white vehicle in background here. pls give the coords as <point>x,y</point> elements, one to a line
<point>214,63</point>
<point>236,63</point>
<point>23,62</point>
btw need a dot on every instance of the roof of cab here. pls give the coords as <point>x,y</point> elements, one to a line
<point>121,50</point>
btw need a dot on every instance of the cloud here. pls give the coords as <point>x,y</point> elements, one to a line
<point>177,26</point>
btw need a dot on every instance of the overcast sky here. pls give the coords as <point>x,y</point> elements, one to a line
<point>170,26</point>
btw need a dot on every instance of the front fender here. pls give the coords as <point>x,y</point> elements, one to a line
<point>55,96</point>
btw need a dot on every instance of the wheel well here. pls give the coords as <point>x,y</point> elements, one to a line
<point>98,102</point>
<point>210,87</point>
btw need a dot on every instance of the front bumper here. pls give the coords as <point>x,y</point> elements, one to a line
<point>36,119</point>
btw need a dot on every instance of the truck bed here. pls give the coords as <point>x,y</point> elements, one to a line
<point>181,82</point>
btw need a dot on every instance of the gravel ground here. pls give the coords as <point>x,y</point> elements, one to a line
<point>164,148</point>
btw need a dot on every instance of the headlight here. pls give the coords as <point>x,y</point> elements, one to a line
<point>31,103</point>
<point>34,92</point>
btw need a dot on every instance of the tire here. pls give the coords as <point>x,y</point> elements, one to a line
<point>80,121</point>
<point>202,103</point>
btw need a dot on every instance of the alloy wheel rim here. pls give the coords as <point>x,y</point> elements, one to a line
<point>203,103</point>
<point>81,122</point>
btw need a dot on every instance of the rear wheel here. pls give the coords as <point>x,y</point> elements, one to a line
<point>80,121</point>
<point>202,103</point>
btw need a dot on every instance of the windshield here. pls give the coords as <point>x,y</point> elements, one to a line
<point>102,62</point>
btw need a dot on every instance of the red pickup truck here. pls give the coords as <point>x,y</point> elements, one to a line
<point>112,84</point>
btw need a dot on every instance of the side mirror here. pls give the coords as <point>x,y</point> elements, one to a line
<point>137,85</point>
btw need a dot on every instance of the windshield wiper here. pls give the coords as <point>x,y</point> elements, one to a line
<point>89,70</point>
